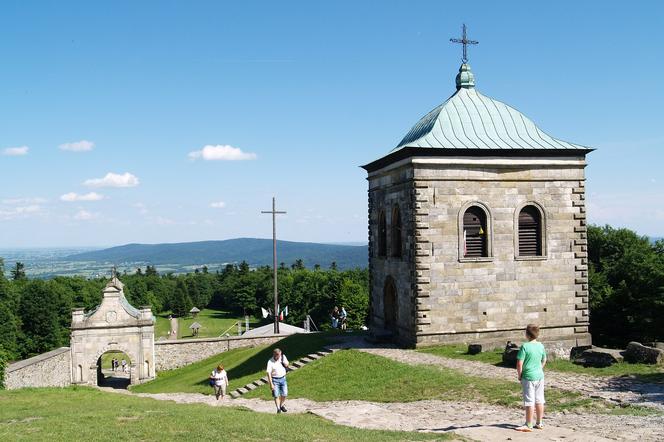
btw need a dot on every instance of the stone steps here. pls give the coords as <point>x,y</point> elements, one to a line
<point>293,366</point>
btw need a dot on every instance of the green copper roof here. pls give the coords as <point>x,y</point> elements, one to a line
<point>470,120</point>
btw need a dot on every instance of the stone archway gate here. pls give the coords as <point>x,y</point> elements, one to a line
<point>115,325</point>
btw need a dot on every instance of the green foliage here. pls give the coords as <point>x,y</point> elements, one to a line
<point>354,297</point>
<point>18,272</point>
<point>4,359</point>
<point>181,300</point>
<point>626,279</point>
<point>237,290</point>
<point>8,331</point>
<point>44,312</point>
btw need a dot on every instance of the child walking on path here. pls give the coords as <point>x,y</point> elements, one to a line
<point>530,362</point>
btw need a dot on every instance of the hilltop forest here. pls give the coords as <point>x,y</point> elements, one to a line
<point>626,277</point>
<point>35,314</point>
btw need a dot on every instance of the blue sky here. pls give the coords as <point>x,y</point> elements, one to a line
<point>308,92</point>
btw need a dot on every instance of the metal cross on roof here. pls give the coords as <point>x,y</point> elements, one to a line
<point>465,42</point>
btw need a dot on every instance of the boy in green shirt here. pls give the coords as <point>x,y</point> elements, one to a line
<point>530,362</point>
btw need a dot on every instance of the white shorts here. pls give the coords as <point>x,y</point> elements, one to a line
<point>533,392</point>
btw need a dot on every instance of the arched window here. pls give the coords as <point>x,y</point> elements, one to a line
<point>390,304</point>
<point>382,235</point>
<point>530,231</point>
<point>475,233</point>
<point>396,246</point>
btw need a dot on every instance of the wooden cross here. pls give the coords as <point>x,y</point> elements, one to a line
<point>465,42</point>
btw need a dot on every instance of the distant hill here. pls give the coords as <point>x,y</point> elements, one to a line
<point>255,251</point>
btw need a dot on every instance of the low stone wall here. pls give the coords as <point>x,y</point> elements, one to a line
<point>52,369</point>
<point>176,354</point>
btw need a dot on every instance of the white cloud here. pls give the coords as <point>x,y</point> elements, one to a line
<point>221,153</point>
<point>23,201</point>
<point>84,215</point>
<point>113,180</point>
<point>16,151</point>
<point>78,146</point>
<point>218,205</point>
<point>73,196</point>
<point>19,211</point>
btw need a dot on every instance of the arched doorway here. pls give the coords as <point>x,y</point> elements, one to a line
<point>115,326</point>
<point>390,304</point>
<point>114,369</point>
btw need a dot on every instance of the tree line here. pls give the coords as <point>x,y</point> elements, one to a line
<point>35,314</point>
<point>626,282</point>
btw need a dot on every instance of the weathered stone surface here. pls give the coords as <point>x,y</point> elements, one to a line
<point>114,325</point>
<point>484,300</point>
<point>509,354</point>
<point>52,369</point>
<point>637,352</point>
<point>474,349</point>
<point>175,354</point>
<point>599,357</point>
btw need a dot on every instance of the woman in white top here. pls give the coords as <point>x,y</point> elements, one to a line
<point>220,380</point>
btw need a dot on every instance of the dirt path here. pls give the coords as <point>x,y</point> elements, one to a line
<point>472,420</point>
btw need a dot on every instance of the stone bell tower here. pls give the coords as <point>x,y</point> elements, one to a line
<point>477,227</point>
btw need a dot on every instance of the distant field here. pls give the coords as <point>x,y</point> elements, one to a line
<point>71,414</point>
<point>213,322</point>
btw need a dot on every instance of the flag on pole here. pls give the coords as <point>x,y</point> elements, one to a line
<point>264,312</point>
<point>285,311</point>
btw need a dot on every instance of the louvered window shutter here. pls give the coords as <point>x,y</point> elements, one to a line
<point>475,233</point>
<point>396,233</point>
<point>530,232</point>
<point>382,235</point>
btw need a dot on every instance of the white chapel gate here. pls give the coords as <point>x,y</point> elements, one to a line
<point>114,325</point>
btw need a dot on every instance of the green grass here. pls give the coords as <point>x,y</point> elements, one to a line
<point>243,366</point>
<point>106,359</point>
<point>645,372</point>
<point>88,414</point>
<point>353,375</point>
<point>213,322</point>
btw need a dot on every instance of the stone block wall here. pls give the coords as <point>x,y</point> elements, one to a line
<point>52,369</point>
<point>386,192</point>
<point>175,354</point>
<point>487,300</point>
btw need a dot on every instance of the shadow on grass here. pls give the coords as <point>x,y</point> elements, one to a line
<point>653,378</point>
<point>294,347</point>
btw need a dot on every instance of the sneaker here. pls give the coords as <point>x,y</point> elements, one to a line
<point>539,426</point>
<point>278,410</point>
<point>524,428</point>
<point>283,409</point>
